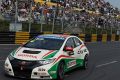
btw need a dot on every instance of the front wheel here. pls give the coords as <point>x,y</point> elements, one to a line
<point>85,63</point>
<point>60,71</point>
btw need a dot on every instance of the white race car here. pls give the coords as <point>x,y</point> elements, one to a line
<point>47,57</point>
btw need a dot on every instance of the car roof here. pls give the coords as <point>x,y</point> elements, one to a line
<point>58,36</point>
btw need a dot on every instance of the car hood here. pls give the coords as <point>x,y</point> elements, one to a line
<point>33,54</point>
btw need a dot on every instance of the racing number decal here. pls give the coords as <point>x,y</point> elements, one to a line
<point>82,51</point>
<point>71,63</point>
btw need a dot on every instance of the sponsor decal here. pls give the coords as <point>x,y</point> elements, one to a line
<point>51,37</point>
<point>27,55</point>
<point>53,72</point>
<point>42,74</point>
<point>71,63</point>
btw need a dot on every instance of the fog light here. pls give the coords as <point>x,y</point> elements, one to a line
<point>53,72</point>
<point>35,73</point>
<point>9,69</point>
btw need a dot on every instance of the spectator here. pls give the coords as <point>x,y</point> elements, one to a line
<point>70,10</point>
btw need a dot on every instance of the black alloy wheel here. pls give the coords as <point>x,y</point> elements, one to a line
<point>60,72</point>
<point>85,63</point>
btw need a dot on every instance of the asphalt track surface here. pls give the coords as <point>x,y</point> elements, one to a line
<point>104,63</point>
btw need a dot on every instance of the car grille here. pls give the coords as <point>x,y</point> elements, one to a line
<point>24,73</point>
<point>23,68</point>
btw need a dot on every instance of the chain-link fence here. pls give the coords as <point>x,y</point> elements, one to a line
<point>62,26</point>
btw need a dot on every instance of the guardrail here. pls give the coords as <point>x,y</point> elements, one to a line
<point>22,37</point>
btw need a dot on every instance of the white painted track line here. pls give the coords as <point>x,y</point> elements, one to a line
<point>2,60</point>
<point>105,64</point>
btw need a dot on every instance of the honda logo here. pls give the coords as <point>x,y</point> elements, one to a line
<point>21,68</point>
<point>22,63</point>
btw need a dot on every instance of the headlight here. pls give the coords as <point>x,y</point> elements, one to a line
<point>48,61</point>
<point>10,57</point>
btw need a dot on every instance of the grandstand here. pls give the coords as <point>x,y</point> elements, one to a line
<point>48,2</point>
<point>81,13</point>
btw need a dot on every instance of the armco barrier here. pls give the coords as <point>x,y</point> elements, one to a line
<point>22,37</point>
<point>7,37</point>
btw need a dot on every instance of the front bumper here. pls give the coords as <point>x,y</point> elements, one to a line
<point>29,70</point>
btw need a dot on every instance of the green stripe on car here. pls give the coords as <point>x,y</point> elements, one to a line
<point>51,55</point>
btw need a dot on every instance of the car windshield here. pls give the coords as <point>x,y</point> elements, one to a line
<point>45,43</point>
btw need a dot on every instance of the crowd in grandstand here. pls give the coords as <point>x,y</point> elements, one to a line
<point>94,11</point>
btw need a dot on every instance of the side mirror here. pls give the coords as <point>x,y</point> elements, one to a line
<point>68,49</point>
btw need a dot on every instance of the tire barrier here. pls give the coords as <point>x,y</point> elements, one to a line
<point>7,37</point>
<point>82,36</point>
<point>94,38</point>
<point>108,37</point>
<point>104,37</point>
<point>22,37</point>
<point>99,38</point>
<point>33,34</point>
<point>88,38</point>
<point>117,38</point>
<point>113,37</point>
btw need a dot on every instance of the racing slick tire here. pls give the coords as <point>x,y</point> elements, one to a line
<point>85,63</point>
<point>60,71</point>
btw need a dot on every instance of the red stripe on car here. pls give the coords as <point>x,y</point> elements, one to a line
<point>48,53</point>
<point>82,46</point>
<point>63,56</point>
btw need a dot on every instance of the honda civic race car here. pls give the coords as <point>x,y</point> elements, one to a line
<point>47,57</point>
